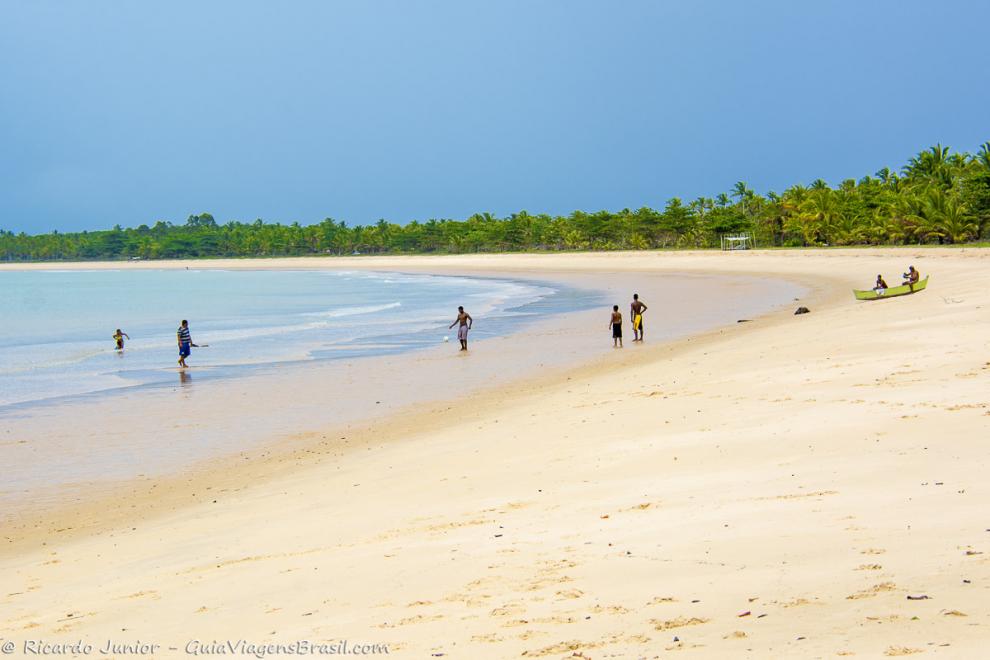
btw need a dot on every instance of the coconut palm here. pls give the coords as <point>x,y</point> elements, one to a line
<point>922,213</point>
<point>932,166</point>
<point>741,191</point>
<point>955,223</point>
<point>818,213</point>
<point>983,157</point>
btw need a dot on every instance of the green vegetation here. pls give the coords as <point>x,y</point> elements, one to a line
<point>938,198</point>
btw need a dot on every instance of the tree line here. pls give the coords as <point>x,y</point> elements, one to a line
<point>938,197</point>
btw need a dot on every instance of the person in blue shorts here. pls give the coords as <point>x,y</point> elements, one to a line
<point>185,342</point>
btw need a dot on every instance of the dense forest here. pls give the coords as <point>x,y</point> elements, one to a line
<point>939,197</point>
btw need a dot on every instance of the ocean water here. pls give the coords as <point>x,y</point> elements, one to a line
<point>57,324</point>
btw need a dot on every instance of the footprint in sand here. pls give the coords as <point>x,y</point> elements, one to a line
<point>556,620</point>
<point>515,623</point>
<point>642,507</point>
<point>142,594</point>
<point>901,650</point>
<point>509,609</point>
<point>679,622</point>
<point>872,591</point>
<point>609,609</point>
<point>561,647</point>
<point>419,618</point>
<point>798,496</point>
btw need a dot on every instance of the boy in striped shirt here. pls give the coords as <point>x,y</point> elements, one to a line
<point>185,342</point>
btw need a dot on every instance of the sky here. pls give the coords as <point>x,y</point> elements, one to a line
<point>132,112</point>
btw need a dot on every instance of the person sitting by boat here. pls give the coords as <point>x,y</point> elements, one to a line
<point>880,286</point>
<point>911,277</point>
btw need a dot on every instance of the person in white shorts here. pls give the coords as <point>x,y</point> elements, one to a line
<point>465,321</point>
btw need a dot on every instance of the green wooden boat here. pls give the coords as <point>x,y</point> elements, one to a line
<point>892,292</point>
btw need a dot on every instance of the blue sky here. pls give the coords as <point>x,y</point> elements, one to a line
<point>130,112</point>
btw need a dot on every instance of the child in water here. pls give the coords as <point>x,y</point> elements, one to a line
<point>616,324</point>
<point>118,337</point>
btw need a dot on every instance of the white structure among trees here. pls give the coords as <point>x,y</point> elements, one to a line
<point>736,241</point>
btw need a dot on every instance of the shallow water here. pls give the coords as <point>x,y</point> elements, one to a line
<point>56,336</point>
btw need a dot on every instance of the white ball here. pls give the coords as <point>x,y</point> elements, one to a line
<point>446,339</point>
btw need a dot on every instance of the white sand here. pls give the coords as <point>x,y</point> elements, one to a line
<point>811,471</point>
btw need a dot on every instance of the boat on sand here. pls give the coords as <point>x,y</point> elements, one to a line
<point>892,292</point>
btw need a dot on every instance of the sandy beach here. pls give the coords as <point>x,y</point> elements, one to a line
<point>793,486</point>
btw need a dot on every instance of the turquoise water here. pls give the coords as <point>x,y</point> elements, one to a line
<point>56,333</point>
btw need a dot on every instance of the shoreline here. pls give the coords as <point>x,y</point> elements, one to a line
<point>261,262</point>
<point>27,523</point>
<point>324,354</point>
<point>769,488</point>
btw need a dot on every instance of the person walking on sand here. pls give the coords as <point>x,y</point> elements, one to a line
<point>466,322</point>
<point>636,309</point>
<point>185,342</point>
<point>616,324</point>
<point>118,338</point>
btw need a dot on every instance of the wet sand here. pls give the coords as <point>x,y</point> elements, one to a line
<point>78,448</point>
<point>776,488</point>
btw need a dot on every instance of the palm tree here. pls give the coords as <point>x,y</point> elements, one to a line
<point>741,191</point>
<point>745,195</point>
<point>942,216</point>
<point>954,223</point>
<point>932,166</point>
<point>922,211</point>
<point>819,213</point>
<point>701,206</point>
<point>983,157</point>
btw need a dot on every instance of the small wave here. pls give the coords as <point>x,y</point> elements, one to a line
<point>41,356</point>
<point>353,311</point>
<point>73,271</point>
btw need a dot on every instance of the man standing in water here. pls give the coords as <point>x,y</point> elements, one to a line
<point>466,321</point>
<point>616,324</point>
<point>636,310</point>
<point>185,342</point>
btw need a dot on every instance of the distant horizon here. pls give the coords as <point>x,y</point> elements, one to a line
<point>130,114</point>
